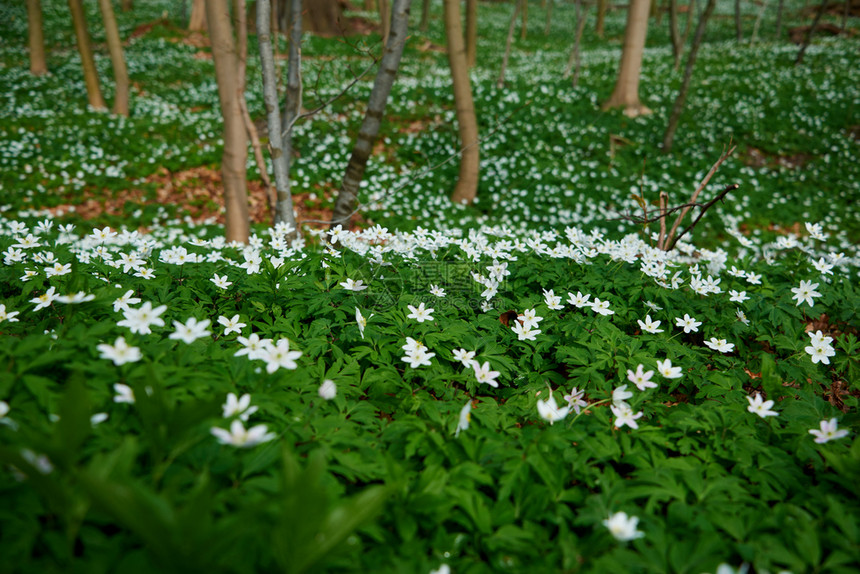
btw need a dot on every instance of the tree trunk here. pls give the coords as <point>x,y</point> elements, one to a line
<point>525,15</point>
<point>779,8</point>
<point>602,6</point>
<point>346,197</point>
<point>739,30</point>
<point>385,20</point>
<point>369,5</point>
<point>471,32</point>
<point>293,101</point>
<point>425,16</point>
<point>810,32</point>
<point>626,92</point>
<point>467,183</point>
<point>197,21</point>
<point>323,17</point>
<point>758,22</point>
<point>234,158</point>
<point>675,33</point>
<point>38,65</point>
<point>91,76</point>
<point>117,59</point>
<point>669,136</point>
<point>280,156</point>
<point>574,60</point>
<point>548,17</point>
<point>692,7</point>
<point>500,83</point>
<point>126,5</point>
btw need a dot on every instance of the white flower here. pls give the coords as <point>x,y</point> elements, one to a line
<point>621,394</point>
<point>45,299</point>
<point>419,313</point>
<point>738,296</point>
<point>412,345</point>
<point>58,269</point>
<point>720,345</point>
<point>742,317</point>
<point>465,418</point>
<point>436,290</point>
<point>240,407</point>
<point>221,281</point>
<point>689,324</point>
<point>827,432</point>
<point>98,418</point>
<point>641,379</point>
<point>464,357</point>
<point>145,273</point>
<point>120,352</point>
<point>231,325</point>
<point>666,369</point>
<point>483,374</point>
<point>328,390</point>
<point>362,321</point>
<point>649,326</point>
<point>529,319</point>
<point>601,307</point>
<point>753,278</point>
<point>191,330</point>
<point>443,569</point>
<point>278,355</point>
<point>8,315</point>
<point>552,300</point>
<point>351,285</point>
<point>418,357</point>
<point>622,527</point>
<point>579,300</point>
<point>823,267</point>
<point>761,407</point>
<point>806,292</point>
<point>820,353</point>
<point>74,298</point>
<point>122,303</point>
<point>102,234</point>
<point>525,333</point>
<point>124,394</point>
<point>252,346</point>
<point>549,411</point>
<point>239,437</point>
<point>140,320</point>
<point>624,415</point>
<point>575,400</point>
<point>818,338</point>
<point>4,409</point>
<point>653,306</point>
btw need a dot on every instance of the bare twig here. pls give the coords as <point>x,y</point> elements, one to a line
<point>698,191</point>
<point>664,203</point>
<point>705,208</point>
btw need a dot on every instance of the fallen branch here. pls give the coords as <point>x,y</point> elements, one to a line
<point>705,208</point>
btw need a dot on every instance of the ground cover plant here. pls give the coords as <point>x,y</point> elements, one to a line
<point>526,384</point>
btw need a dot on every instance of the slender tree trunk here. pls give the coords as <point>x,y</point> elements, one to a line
<point>385,19</point>
<point>761,10</point>
<point>293,101</point>
<point>548,17</point>
<point>425,16</point>
<point>692,7</point>
<point>845,11</point>
<point>126,5</point>
<point>669,136</point>
<point>626,92</point>
<point>91,76</point>
<point>38,65</point>
<point>675,33</point>
<point>369,5</point>
<point>346,197</point>
<point>525,14</point>
<point>602,6</point>
<point>467,183</point>
<point>117,59</point>
<point>197,21</point>
<point>810,32</point>
<point>471,32</point>
<point>574,61</point>
<point>234,158</point>
<point>739,30</point>
<point>660,12</point>
<point>779,8</point>
<point>500,83</point>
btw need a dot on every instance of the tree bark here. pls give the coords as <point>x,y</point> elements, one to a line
<point>574,61</point>
<point>235,155</point>
<point>346,197</point>
<point>91,76</point>
<point>293,101</point>
<point>739,30</point>
<point>626,92</point>
<point>467,183</point>
<point>38,64</point>
<point>602,6</point>
<point>425,16</point>
<point>810,32</point>
<point>385,20</point>
<point>669,136</point>
<point>197,21</point>
<point>500,83</point>
<point>548,17</point>
<point>675,33</point>
<point>471,32</point>
<point>117,59</point>
<point>525,14</point>
<point>761,10</point>
<point>126,5</point>
<point>779,8</point>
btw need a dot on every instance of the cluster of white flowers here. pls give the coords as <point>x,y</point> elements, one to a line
<point>820,350</point>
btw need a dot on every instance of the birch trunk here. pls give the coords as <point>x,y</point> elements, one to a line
<point>38,65</point>
<point>117,59</point>
<point>388,66</point>
<point>91,76</point>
